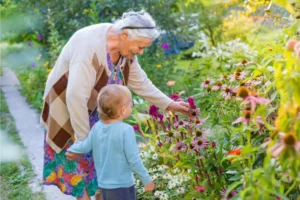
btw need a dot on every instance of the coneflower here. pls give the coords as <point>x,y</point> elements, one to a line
<point>206,82</point>
<point>218,86</point>
<point>243,92</point>
<point>287,141</point>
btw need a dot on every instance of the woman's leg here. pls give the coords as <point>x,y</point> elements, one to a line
<point>85,196</point>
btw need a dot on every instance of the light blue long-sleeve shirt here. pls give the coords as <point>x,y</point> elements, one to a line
<point>116,155</point>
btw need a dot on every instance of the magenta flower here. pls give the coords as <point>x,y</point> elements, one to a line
<point>153,111</point>
<point>165,46</point>
<point>207,82</point>
<point>159,143</point>
<point>137,128</point>
<point>29,42</point>
<point>201,189</point>
<point>40,37</point>
<point>213,144</point>
<point>175,97</point>
<point>254,100</point>
<point>200,143</point>
<point>180,147</point>
<point>180,123</point>
<point>191,101</point>
<point>230,195</point>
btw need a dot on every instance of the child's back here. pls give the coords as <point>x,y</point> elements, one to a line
<point>115,154</point>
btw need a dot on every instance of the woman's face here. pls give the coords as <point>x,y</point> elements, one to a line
<point>129,48</point>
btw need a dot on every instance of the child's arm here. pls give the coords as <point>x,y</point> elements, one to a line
<point>133,156</point>
<point>84,146</point>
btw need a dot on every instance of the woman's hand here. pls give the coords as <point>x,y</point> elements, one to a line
<point>73,156</point>
<point>179,106</point>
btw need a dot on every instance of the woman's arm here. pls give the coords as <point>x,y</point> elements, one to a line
<point>141,85</point>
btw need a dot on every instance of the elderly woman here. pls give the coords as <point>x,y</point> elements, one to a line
<point>93,57</point>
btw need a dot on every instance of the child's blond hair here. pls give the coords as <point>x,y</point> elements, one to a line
<point>110,99</point>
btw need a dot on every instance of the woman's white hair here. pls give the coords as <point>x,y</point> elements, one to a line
<point>137,19</point>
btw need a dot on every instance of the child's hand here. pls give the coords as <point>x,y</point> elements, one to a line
<point>73,156</point>
<point>149,187</point>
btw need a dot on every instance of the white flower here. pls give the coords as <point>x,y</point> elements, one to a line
<point>154,177</point>
<point>171,185</point>
<point>176,170</point>
<point>155,156</point>
<point>157,193</point>
<point>141,145</point>
<point>164,196</point>
<point>180,190</point>
<point>137,183</point>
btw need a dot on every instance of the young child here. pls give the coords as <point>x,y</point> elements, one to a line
<point>114,147</point>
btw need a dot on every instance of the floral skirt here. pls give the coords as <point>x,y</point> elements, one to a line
<point>71,177</point>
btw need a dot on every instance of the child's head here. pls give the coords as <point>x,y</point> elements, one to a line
<point>114,102</point>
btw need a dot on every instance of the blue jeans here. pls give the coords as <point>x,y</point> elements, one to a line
<point>118,193</point>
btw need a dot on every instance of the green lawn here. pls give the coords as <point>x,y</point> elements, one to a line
<point>14,176</point>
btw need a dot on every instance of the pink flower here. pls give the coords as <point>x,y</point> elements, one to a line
<point>180,123</point>
<point>231,194</point>
<point>287,141</point>
<point>207,82</point>
<point>246,118</point>
<point>171,83</point>
<point>218,86</point>
<point>228,92</point>
<point>165,46</point>
<point>200,143</point>
<point>237,76</point>
<point>201,189</point>
<point>199,122</point>
<point>180,146</point>
<point>242,63</point>
<point>29,42</point>
<point>223,77</point>
<point>194,113</point>
<point>200,133</point>
<point>254,100</point>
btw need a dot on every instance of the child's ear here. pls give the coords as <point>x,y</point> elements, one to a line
<point>123,111</point>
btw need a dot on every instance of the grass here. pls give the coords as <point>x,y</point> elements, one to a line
<point>14,176</point>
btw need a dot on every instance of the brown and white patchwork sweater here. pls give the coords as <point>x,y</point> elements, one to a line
<point>73,85</point>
